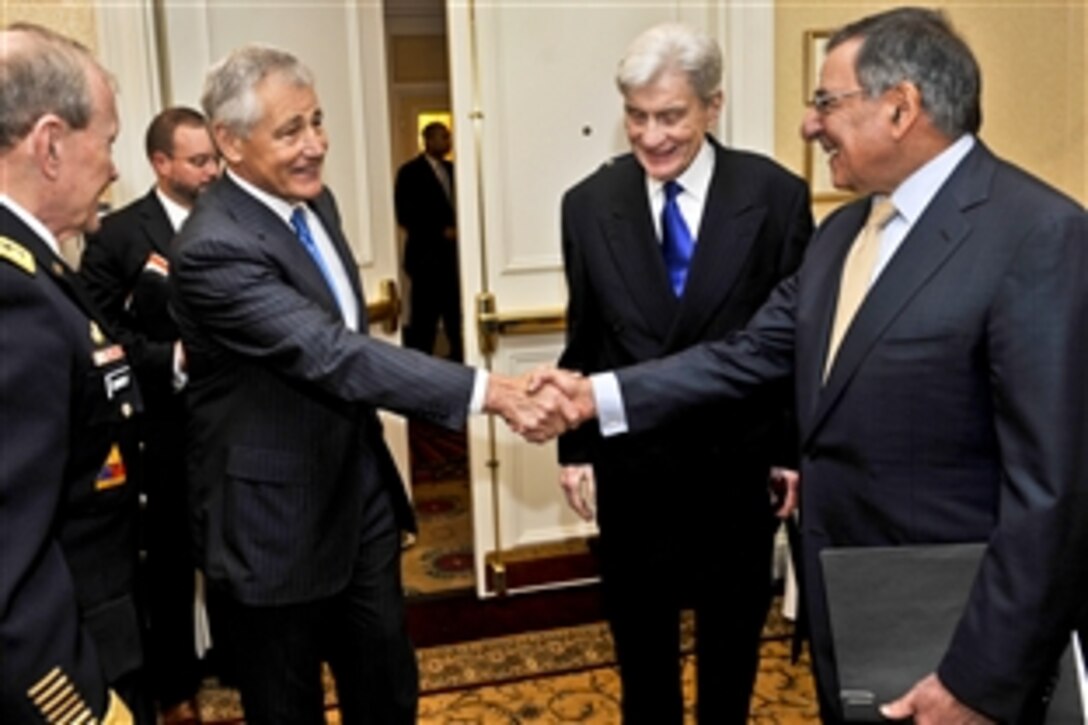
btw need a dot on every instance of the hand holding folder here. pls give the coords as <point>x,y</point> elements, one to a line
<point>893,611</point>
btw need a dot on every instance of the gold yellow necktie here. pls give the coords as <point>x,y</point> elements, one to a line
<point>857,272</point>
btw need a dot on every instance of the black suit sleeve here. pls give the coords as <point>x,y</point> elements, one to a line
<point>660,391</point>
<point>799,231</point>
<point>1033,581</point>
<point>110,271</point>
<point>243,301</point>
<point>584,332</point>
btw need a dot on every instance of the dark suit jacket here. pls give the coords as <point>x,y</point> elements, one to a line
<point>622,310</point>
<point>66,526</point>
<point>126,272</point>
<point>956,410</point>
<point>132,293</point>
<point>424,210</point>
<point>286,456</point>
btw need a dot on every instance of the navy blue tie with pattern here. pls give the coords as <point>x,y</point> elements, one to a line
<point>677,245</point>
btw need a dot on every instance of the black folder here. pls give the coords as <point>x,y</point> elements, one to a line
<point>893,611</point>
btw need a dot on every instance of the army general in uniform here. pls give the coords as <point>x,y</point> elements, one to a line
<point>69,632</point>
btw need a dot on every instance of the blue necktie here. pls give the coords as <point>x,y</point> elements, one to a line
<point>302,229</point>
<point>677,245</point>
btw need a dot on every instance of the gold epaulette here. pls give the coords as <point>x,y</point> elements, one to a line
<point>17,254</point>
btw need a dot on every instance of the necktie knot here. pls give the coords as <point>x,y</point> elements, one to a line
<point>302,229</point>
<point>672,190</point>
<point>881,214</point>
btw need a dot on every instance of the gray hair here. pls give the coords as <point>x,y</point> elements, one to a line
<point>672,47</point>
<point>43,72</point>
<point>230,95</point>
<point>919,46</point>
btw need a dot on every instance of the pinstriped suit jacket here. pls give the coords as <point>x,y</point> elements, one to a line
<point>287,462</point>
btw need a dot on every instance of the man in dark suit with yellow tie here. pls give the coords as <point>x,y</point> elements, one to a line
<point>296,505</point>
<point>947,400</point>
<point>672,244</point>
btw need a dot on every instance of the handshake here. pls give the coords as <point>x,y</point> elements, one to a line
<point>542,404</point>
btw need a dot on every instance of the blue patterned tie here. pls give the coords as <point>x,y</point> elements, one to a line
<point>677,245</point>
<point>302,229</point>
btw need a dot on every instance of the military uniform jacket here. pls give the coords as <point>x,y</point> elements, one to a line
<point>68,624</point>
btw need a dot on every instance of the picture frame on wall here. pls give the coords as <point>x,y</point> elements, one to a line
<point>816,169</point>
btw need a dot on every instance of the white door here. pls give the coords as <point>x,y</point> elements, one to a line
<point>535,110</point>
<point>344,45</point>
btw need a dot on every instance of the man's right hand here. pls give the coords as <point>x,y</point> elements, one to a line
<point>538,417</point>
<point>575,388</point>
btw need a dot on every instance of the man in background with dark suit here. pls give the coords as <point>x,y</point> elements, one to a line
<point>297,506</point>
<point>936,337</point>
<point>125,268</point>
<point>633,297</point>
<point>425,205</point>
<point>69,633</point>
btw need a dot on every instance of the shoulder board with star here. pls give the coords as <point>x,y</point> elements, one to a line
<point>15,253</point>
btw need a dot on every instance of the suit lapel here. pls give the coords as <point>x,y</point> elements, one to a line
<point>820,290</point>
<point>156,224</point>
<point>323,207</point>
<point>940,230</point>
<point>274,235</point>
<point>731,222</point>
<point>636,253</point>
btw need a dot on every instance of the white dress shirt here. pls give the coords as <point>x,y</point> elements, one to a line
<point>31,221</point>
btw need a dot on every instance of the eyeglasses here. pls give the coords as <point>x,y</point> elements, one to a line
<point>824,102</point>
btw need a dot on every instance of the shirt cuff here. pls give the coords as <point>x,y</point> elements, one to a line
<point>611,415</point>
<point>181,378</point>
<point>479,392</point>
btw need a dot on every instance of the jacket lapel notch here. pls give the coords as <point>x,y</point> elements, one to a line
<point>156,224</point>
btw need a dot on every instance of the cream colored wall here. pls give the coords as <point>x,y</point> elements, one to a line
<point>1035,74</point>
<point>1034,88</point>
<point>74,18</point>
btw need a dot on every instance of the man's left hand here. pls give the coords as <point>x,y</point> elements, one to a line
<point>930,703</point>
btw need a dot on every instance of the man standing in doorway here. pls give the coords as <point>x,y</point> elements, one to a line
<point>672,244</point>
<point>126,269</point>
<point>425,205</point>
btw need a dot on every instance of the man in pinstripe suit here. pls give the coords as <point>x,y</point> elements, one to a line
<point>296,505</point>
